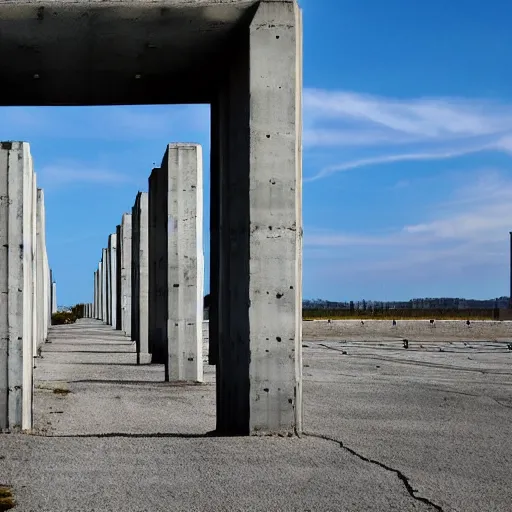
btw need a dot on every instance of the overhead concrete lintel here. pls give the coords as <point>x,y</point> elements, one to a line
<point>115,52</point>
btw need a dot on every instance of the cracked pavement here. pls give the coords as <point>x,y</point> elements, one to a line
<point>386,429</point>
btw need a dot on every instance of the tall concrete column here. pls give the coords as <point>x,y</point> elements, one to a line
<point>108,284</point>
<point>126,273</point>
<point>104,303</point>
<point>54,297</point>
<point>510,292</point>
<point>41,271</point>
<point>140,277</point>
<point>256,246</point>
<point>176,234</point>
<point>95,302</point>
<point>17,232</point>
<point>119,309</point>
<point>100,290</point>
<point>112,248</point>
<point>156,344</point>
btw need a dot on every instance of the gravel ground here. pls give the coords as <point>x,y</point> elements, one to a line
<point>388,428</point>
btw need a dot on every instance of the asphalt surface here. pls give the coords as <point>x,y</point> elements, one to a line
<point>418,429</point>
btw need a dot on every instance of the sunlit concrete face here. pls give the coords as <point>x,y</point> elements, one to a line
<point>244,58</point>
<point>108,52</point>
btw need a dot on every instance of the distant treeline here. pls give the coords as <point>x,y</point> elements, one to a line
<point>402,314</point>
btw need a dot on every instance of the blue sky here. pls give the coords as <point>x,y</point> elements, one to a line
<point>407,155</point>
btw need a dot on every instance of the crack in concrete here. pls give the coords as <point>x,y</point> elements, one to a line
<point>412,492</point>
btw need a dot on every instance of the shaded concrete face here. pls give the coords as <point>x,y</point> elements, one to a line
<point>157,302</point>
<point>113,51</point>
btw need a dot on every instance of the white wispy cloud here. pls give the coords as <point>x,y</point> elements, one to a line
<point>471,228</point>
<point>399,130</point>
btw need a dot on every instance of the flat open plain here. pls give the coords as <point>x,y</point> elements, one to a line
<point>387,428</point>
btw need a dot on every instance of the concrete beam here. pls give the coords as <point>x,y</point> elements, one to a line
<point>17,264</point>
<point>126,273</point>
<point>101,63</point>
<point>177,198</point>
<point>140,277</point>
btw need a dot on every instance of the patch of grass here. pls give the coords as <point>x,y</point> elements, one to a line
<point>61,391</point>
<point>6,498</point>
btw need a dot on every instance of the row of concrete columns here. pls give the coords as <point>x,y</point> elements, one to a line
<point>149,282</point>
<point>27,291</point>
<point>88,310</point>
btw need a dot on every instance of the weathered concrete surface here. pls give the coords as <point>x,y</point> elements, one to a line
<point>113,395</point>
<point>140,277</point>
<point>439,419</point>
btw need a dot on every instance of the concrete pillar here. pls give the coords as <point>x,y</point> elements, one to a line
<point>95,303</point>
<point>140,277</point>
<point>178,246</point>
<point>126,273</point>
<point>510,292</point>
<point>256,243</point>
<point>34,284</point>
<point>112,248</point>
<point>42,273</point>
<point>104,285</point>
<point>17,233</point>
<point>119,309</point>
<point>108,284</point>
<point>100,290</point>
<point>155,342</point>
<point>54,297</point>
